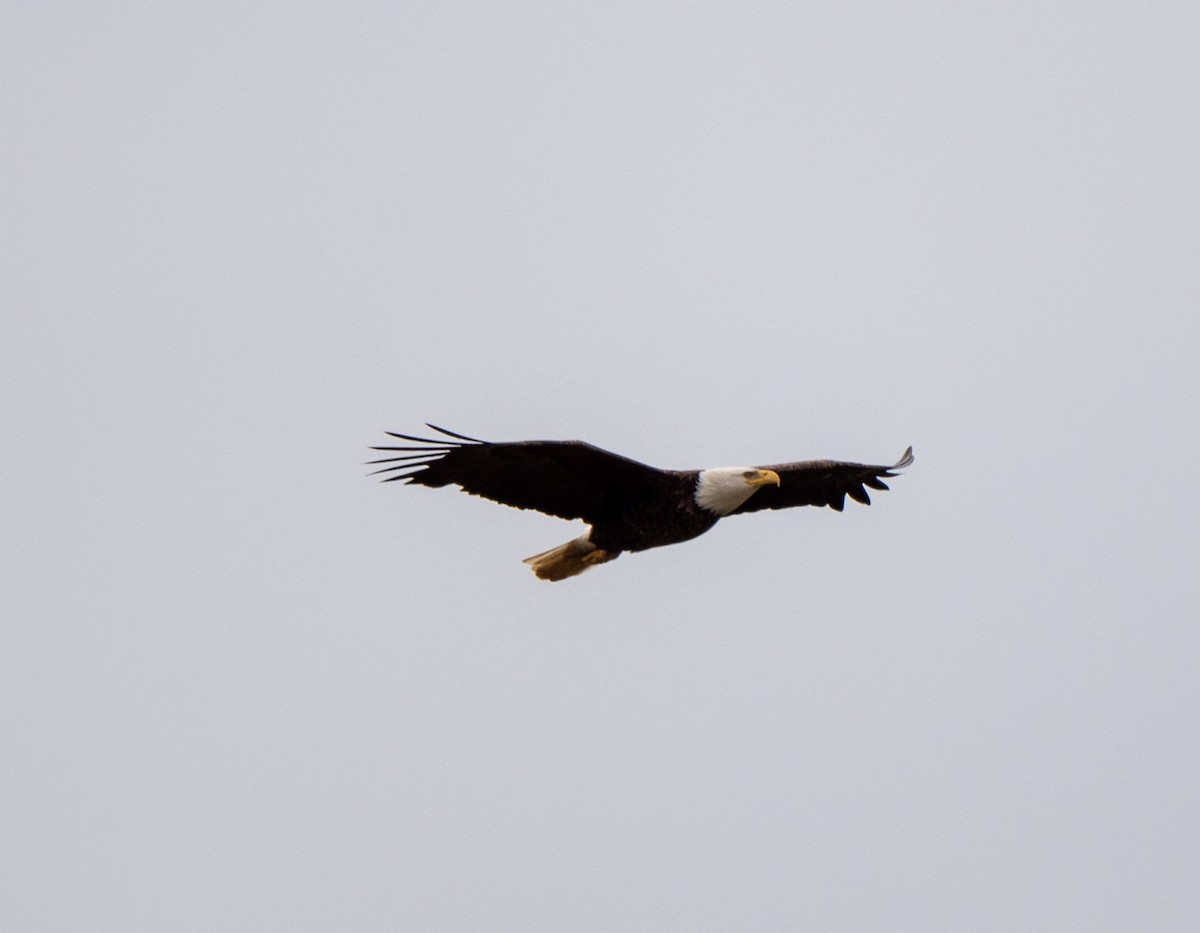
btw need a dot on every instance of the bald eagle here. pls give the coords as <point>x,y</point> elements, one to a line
<point>629,505</point>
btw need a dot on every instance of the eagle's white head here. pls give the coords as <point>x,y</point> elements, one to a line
<point>723,489</point>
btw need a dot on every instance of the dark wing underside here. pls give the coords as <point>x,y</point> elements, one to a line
<point>821,483</point>
<point>568,479</point>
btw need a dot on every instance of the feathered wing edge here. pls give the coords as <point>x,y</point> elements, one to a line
<point>415,459</point>
<point>874,478</point>
<point>823,483</point>
<point>568,479</point>
<point>861,475</point>
<point>559,563</point>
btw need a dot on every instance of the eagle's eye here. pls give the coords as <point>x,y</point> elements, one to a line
<point>750,474</point>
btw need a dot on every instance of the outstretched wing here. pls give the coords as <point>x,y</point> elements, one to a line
<point>568,479</point>
<point>821,483</point>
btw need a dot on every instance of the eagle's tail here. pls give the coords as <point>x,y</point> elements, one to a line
<point>570,559</point>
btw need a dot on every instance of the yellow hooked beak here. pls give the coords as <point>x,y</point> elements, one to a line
<point>764,478</point>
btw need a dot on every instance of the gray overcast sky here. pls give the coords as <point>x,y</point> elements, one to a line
<point>244,687</point>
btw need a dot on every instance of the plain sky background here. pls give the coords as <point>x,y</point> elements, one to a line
<point>243,687</point>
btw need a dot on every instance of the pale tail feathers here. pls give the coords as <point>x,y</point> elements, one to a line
<point>569,560</point>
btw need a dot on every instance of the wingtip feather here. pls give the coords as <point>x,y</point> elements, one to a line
<point>461,437</point>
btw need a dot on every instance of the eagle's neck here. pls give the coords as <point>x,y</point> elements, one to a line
<point>723,489</point>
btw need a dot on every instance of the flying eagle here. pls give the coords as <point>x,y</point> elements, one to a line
<point>629,505</point>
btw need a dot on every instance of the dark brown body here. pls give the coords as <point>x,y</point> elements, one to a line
<point>642,518</point>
